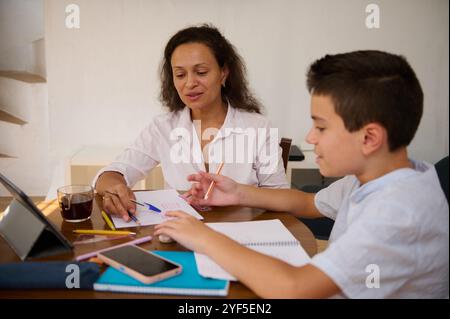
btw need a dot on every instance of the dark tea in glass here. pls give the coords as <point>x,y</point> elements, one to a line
<point>75,202</point>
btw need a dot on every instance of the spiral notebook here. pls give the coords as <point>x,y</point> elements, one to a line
<point>189,282</point>
<point>269,237</point>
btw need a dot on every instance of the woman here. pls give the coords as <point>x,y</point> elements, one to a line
<point>211,108</point>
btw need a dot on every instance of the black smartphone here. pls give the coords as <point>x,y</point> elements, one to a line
<point>140,264</point>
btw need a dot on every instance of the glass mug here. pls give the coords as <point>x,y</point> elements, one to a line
<point>75,202</point>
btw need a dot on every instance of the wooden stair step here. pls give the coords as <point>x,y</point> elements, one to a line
<point>6,156</point>
<point>7,117</point>
<point>23,76</point>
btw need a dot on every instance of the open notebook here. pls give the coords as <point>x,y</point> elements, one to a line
<point>189,282</point>
<point>268,237</point>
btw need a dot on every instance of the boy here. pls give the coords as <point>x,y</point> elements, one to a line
<point>390,213</point>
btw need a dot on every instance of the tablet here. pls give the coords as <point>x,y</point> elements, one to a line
<point>26,229</point>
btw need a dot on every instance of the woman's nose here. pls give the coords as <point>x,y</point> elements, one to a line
<point>191,81</point>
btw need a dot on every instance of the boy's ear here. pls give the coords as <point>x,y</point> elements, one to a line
<point>374,138</point>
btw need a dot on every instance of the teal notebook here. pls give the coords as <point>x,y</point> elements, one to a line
<point>189,282</point>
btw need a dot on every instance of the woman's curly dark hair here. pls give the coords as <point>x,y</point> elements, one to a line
<point>236,90</point>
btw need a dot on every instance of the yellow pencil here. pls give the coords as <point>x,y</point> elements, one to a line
<point>108,220</point>
<point>103,232</point>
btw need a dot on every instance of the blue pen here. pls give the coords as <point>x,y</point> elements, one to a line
<point>149,206</point>
<point>133,218</point>
<point>154,208</point>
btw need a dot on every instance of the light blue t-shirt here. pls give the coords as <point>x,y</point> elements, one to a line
<point>391,235</point>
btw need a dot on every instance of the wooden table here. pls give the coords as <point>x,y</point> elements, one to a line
<point>226,214</point>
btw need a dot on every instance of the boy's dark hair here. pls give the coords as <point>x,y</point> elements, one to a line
<point>236,89</point>
<point>371,86</point>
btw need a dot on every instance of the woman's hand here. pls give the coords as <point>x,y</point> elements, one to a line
<point>186,230</point>
<point>119,205</point>
<point>225,190</point>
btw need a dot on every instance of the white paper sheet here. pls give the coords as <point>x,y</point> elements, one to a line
<point>165,200</point>
<point>269,237</point>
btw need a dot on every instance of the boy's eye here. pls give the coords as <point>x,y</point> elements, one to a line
<point>320,129</point>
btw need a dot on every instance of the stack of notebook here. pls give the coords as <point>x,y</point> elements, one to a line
<point>189,282</point>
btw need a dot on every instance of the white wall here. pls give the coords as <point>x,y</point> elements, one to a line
<point>103,83</point>
<point>21,34</point>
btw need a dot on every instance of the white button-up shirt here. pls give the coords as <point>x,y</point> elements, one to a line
<point>245,143</point>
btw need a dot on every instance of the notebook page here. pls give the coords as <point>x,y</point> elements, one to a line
<point>165,200</point>
<point>274,238</point>
<point>258,231</point>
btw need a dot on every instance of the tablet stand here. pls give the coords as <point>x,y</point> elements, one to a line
<point>28,235</point>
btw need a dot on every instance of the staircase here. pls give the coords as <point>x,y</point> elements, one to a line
<point>24,132</point>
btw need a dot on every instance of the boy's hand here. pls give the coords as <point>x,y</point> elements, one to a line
<point>186,230</point>
<point>225,191</point>
<point>121,204</point>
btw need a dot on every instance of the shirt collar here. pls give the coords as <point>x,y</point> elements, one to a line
<point>184,119</point>
<point>233,123</point>
<point>361,192</point>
